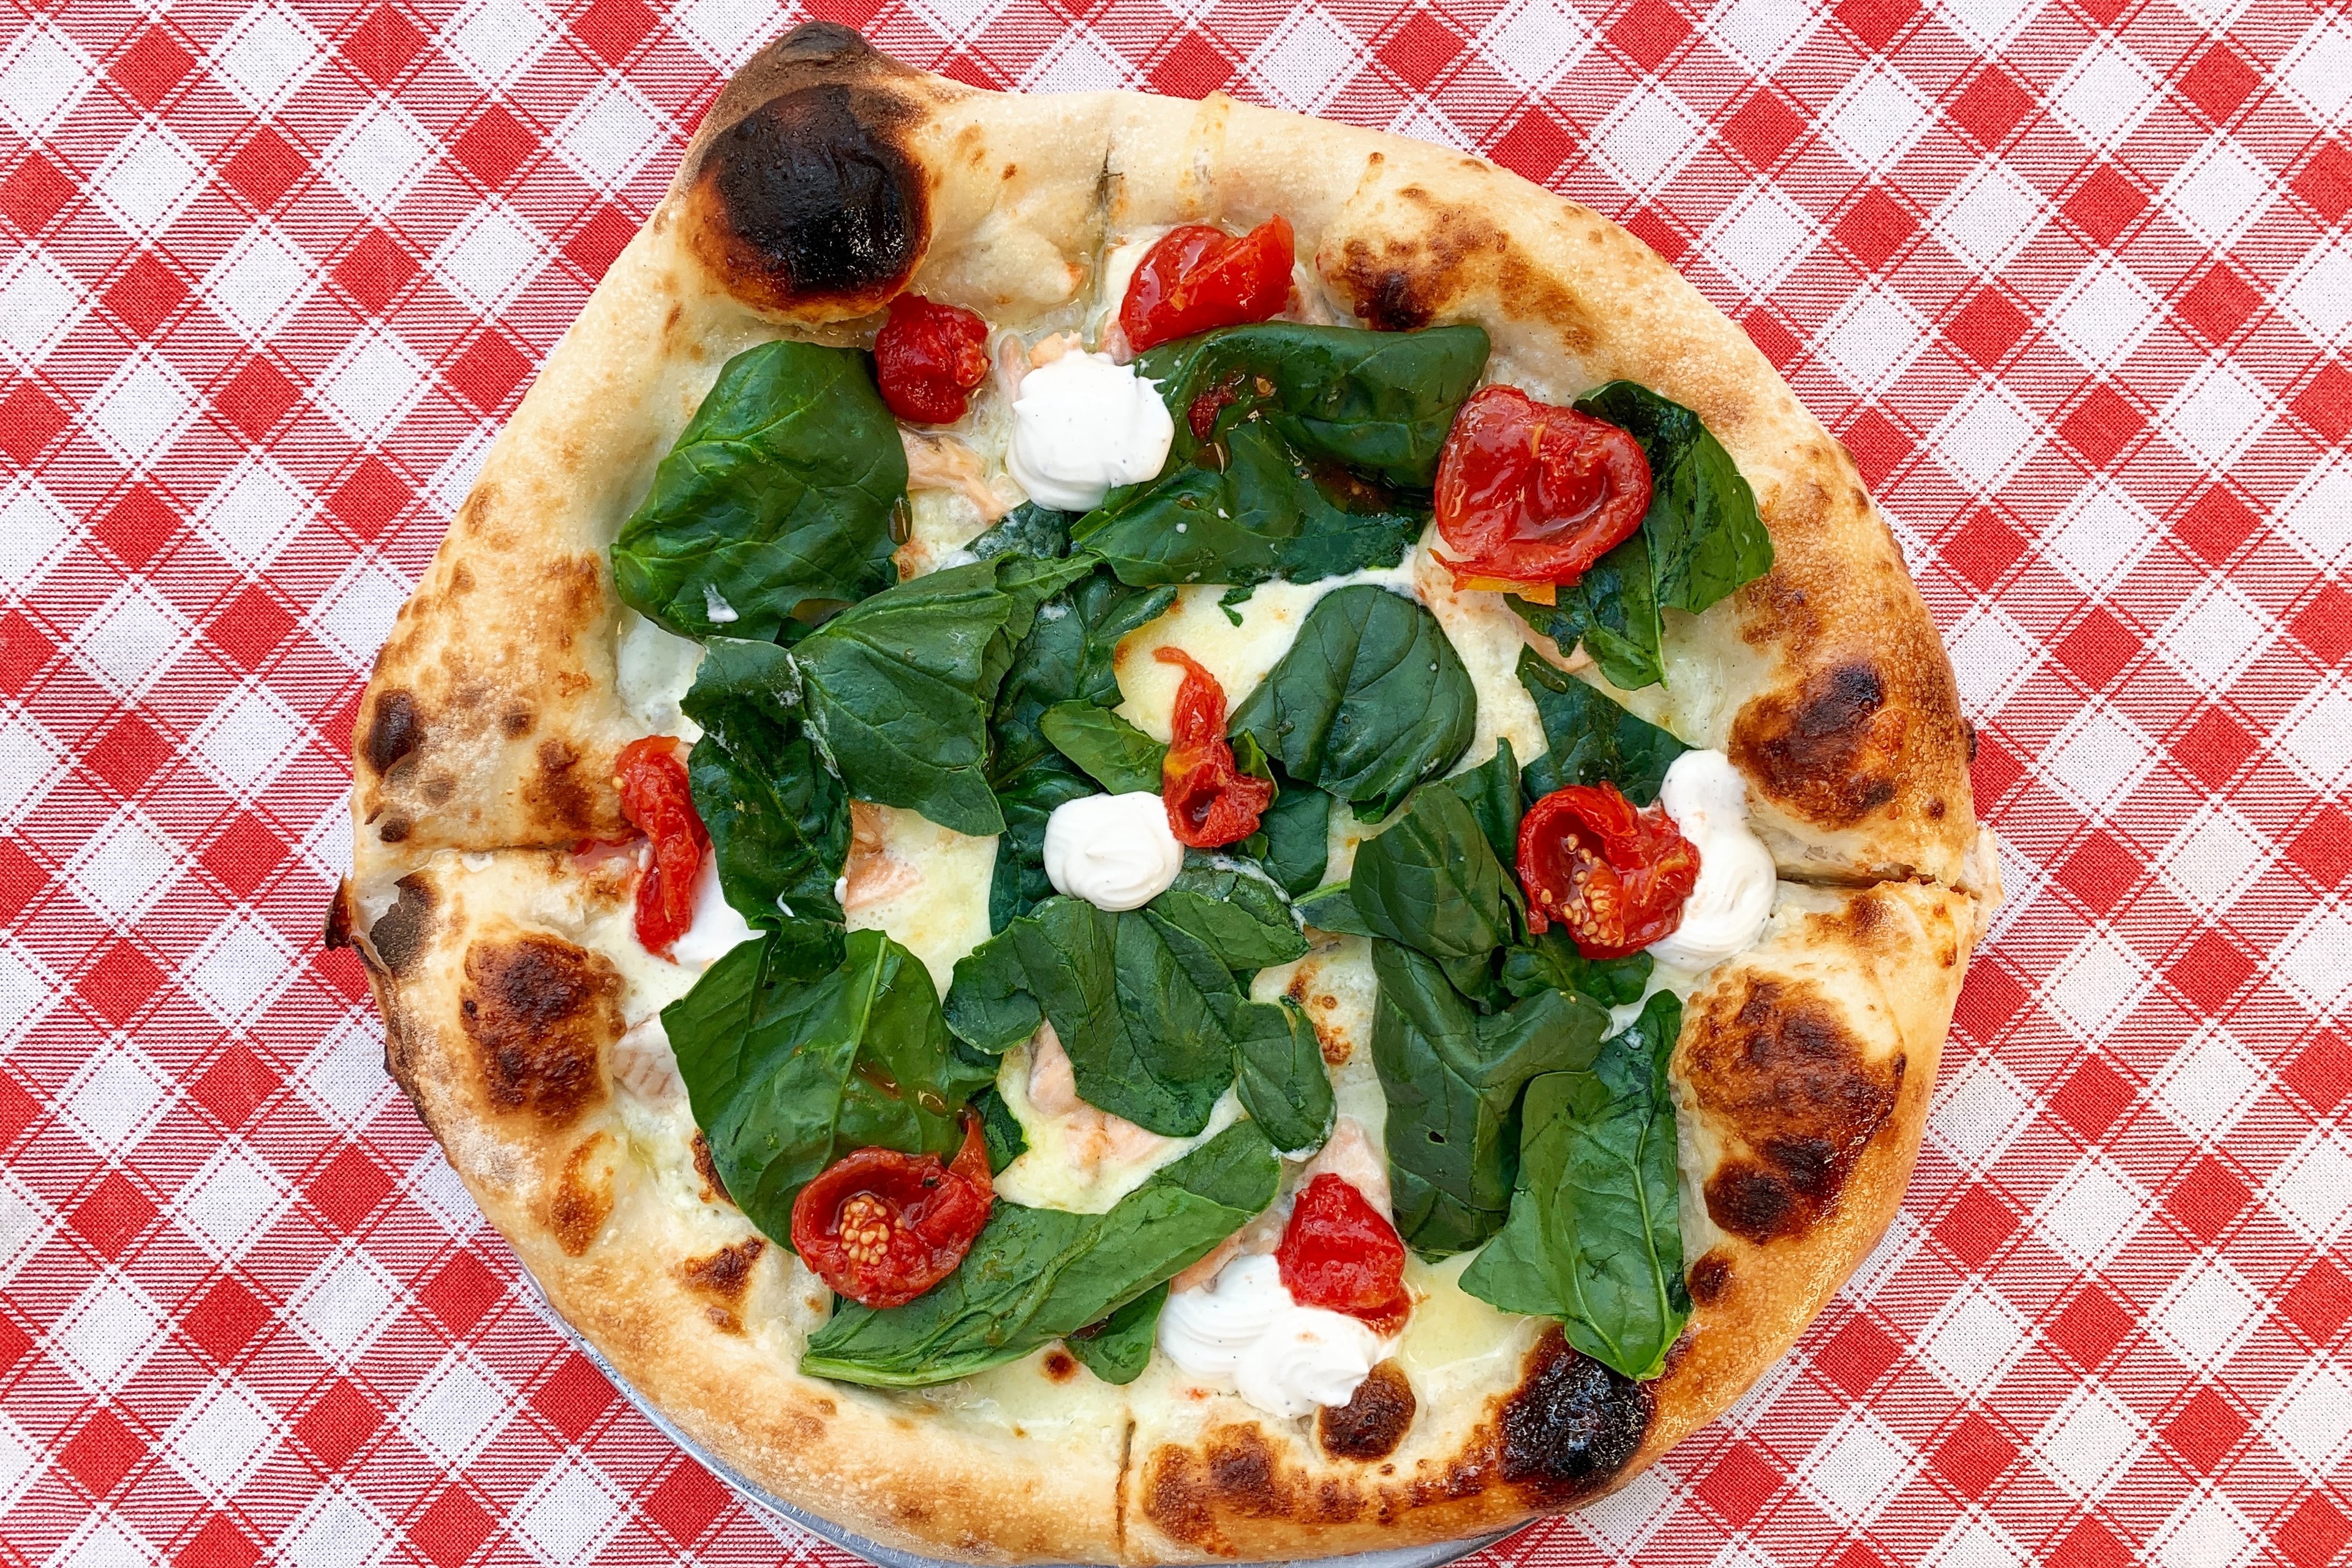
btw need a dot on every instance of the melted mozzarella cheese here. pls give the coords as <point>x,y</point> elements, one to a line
<point>653,670</point>
<point>930,891</point>
<point>1079,1158</point>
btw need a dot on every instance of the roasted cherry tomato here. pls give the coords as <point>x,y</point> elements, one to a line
<point>1210,801</point>
<point>1615,877</point>
<point>658,803</point>
<point>1196,277</point>
<point>1528,493</point>
<point>882,1228</point>
<point>928,358</point>
<point>1339,1252</point>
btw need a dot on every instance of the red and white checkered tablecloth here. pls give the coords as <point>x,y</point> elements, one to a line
<point>2069,277</point>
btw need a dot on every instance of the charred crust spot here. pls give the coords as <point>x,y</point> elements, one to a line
<point>337,932</point>
<point>395,730</point>
<point>516,721</point>
<point>401,932</point>
<point>1373,1423</point>
<point>582,1203</point>
<point>394,829</point>
<point>1573,1425</point>
<point>1060,1364</point>
<point>1176,1499</point>
<point>727,1272</point>
<point>1709,1278</point>
<point>1833,752</point>
<point>540,1012</point>
<point>1236,1473</point>
<point>814,198</point>
<point>562,797</point>
<point>706,1165</point>
<point>1775,1063</point>
<point>1402,284</point>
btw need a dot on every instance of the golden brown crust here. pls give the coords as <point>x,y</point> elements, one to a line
<point>825,179</point>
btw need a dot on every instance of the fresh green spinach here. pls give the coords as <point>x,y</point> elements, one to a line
<point>898,689</point>
<point>1118,1349</point>
<point>1594,1236</point>
<point>1370,701</point>
<point>774,503</point>
<point>1491,791</point>
<point>1702,538</point>
<point>1297,829</point>
<point>1301,477</point>
<point>1431,880</point>
<point>1551,962</point>
<point>1284,1085</point>
<point>805,1045</point>
<point>1591,738</point>
<point>778,820</point>
<point>1453,1078</point>
<point>1112,752</point>
<point>1038,1275</point>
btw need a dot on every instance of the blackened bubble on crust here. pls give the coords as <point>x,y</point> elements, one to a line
<point>812,198</point>
<point>1371,1425</point>
<point>1573,1424</point>
<point>1709,1278</point>
<point>540,1012</point>
<point>400,933</point>
<point>394,732</point>
<point>1834,752</point>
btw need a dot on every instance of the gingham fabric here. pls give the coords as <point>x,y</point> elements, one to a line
<point>2071,278</point>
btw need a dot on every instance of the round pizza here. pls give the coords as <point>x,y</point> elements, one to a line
<point>1125,830</point>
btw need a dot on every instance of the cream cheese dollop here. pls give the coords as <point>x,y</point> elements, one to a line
<point>1243,1328</point>
<point>1115,851</point>
<point>1726,910</point>
<point>717,927</point>
<point>1082,425</point>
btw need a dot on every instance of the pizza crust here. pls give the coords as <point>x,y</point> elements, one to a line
<point>825,179</point>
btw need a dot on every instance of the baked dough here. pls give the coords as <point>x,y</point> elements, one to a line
<point>827,179</point>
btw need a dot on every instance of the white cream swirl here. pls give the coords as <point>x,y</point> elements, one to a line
<point>1115,851</point>
<point>1244,1329</point>
<point>1083,424</point>
<point>716,926</point>
<point>1726,911</point>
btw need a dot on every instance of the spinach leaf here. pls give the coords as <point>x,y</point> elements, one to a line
<point>1038,1275</point>
<point>1551,962</point>
<point>1701,539</point>
<point>774,502</point>
<point>1114,752</point>
<point>1453,1081</point>
<point>898,689</point>
<point>1000,1129</point>
<point>1430,881</point>
<point>1232,911</point>
<point>1118,1349</point>
<point>1594,1236</point>
<point>1029,530</point>
<point>1369,702</point>
<point>1144,1038</point>
<point>1491,791</point>
<point>1378,403</point>
<point>789,1063</point>
<point>1284,1085</point>
<point>1592,738</point>
<point>1334,909</point>
<point>1705,533</point>
<point>778,820</point>
<point>1298,828</point>
<point>1300,475</point>
<point>1019,881</point>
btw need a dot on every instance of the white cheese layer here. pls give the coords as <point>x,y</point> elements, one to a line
<point>1080,1159</point>
<point>1115,851</point>
<point>653,670</point>
<point>1726,911</point>
<point>1082,425</point>
<point>1244,1329</point>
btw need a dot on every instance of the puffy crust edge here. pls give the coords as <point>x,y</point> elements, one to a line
<point>664,1297</point>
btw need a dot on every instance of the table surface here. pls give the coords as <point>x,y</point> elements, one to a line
<point>2069,277</point>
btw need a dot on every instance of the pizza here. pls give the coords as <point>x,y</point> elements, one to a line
<point>1125,830</point>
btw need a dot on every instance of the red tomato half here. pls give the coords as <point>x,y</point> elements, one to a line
<point>658,803</point>
<point>1530,493</point>
<point>1197,278</point>
<point>1210,801</point>
<point>1615,877</point>
<point>928,358</point>
<point>1339,1252</point>
<point>882,1228</point>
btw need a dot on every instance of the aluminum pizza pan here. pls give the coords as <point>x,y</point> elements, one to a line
<point>874,1552</point>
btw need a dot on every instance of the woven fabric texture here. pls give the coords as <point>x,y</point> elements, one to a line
<point>2069,277</point>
